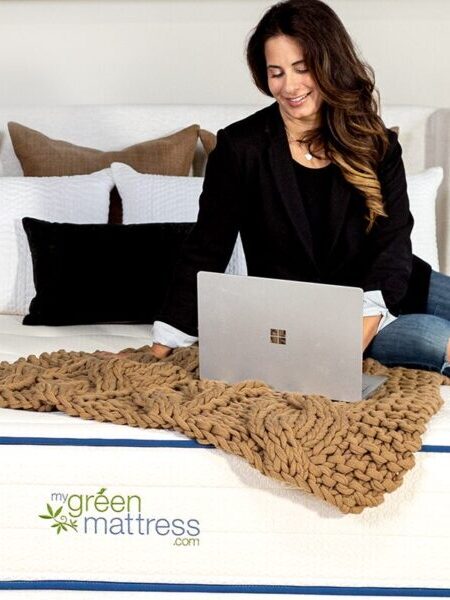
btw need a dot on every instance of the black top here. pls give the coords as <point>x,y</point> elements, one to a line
<point>315,189</point>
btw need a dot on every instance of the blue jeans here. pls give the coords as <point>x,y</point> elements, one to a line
<point>418,340</point>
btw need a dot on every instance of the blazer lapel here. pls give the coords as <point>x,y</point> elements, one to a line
<point>283,171</point>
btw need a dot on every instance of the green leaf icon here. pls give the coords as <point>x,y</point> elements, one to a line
<point>102,491</point>
<point>61,524</point>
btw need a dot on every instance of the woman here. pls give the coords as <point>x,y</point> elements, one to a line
<point>315,185</point>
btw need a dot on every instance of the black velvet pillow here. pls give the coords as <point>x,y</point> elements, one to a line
<point>100,273</point>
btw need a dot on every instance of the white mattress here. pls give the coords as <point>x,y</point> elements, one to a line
<point>256,536</point>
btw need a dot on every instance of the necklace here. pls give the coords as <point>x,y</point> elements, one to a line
<point>291,140</point>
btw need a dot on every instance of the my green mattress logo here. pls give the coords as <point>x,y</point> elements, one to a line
<point>60,521</point>
<point>103,514</point>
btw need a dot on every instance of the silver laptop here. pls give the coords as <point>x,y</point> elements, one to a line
<point>296,336</point>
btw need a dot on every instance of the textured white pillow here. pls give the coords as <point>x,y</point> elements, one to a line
<point>165,198</point>
<point>422,191</point>
<point>74,199</point>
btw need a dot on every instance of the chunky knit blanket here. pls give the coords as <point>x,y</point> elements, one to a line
<point>348,454</point>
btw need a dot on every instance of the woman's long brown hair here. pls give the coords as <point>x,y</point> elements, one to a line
<point>351,132</point>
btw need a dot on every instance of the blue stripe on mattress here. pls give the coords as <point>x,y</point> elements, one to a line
<point>228,589</point>
<point>428,448</point>
<point>51,441</point>
<point>54,441</point>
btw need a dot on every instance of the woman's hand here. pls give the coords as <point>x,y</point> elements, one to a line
<point>160,351</point>
<point>370,328</point>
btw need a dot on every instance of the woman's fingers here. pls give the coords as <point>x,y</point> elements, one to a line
<point>104,354</point>
<point>160,351</point>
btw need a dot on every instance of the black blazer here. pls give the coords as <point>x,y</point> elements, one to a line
<point>250,187</point>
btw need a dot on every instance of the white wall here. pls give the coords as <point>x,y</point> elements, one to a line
<point>192,51</point>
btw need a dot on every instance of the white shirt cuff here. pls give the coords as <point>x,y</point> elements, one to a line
<point>165,334</point>
<point>373,305</point>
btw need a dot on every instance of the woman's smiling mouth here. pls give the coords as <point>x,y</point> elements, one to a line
<point>297,100</point>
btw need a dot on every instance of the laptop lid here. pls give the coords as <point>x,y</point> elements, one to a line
<point>296,336</point>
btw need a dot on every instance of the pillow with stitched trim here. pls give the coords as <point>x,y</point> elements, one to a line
<point>100,273</point>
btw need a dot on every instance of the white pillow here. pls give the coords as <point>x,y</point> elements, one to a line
<point>165,199</point>
<point>74,199</point>
<point>422,192</point>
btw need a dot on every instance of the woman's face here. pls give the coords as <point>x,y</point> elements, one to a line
<point>290,82</point>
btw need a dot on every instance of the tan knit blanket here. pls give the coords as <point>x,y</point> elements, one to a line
<point>348,454</point>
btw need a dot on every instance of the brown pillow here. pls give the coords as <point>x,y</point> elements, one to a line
<point>208,140</point>
<point>41,156</point>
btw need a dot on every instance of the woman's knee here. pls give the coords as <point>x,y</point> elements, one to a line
<point>421,341</point>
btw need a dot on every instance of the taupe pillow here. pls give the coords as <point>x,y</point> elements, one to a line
<point>208,140</point>
<point>41,156</point>
<point>208,143</point>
